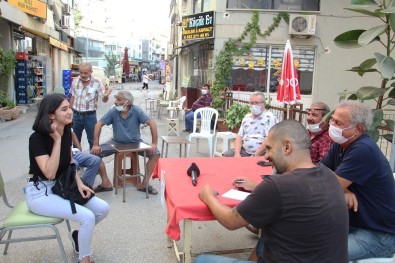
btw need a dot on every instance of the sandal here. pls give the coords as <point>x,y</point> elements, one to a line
<point>100,188</point>
<point>151,190</point>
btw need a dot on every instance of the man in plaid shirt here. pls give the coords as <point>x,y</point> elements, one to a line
<point>85,92</point>
<point>203,101</point>
<point>318,131</point>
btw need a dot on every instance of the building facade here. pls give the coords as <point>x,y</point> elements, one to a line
<point>42,32</point>
<point>200,28</point>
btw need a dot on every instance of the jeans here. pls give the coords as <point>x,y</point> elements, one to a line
<point>86,122</point>
<point>364,243</point>
<point>218,259</point>
<point>90,162</point>
<point>189,116</point>
<point>42,201</point>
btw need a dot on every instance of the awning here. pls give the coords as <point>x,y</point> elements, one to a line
<point>35,32</point>
<point>59,44</point>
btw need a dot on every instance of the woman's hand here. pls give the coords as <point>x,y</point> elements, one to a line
<point>55,135</point>
<point>85,191</point>
<point>244,183</point>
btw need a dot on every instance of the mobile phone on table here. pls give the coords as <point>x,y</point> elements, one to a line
<point>264,163</point>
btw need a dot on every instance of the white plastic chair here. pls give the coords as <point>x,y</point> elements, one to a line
<point>205,131</point>
<point>176,106</point>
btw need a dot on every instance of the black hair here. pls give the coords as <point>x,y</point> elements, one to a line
<point>48,105</point>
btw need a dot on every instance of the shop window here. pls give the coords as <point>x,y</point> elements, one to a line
<point>250,71</point>
<point>296,5</point>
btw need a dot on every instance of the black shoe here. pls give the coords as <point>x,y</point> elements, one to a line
<point>73,235</point>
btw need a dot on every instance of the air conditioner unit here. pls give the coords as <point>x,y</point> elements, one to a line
<point>66,9</point>
<point>65,22</point>
<point>302,24</point>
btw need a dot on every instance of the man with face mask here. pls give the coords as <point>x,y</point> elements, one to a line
<point>203,101</point>
<point>301,209</point>
<point>126,119</point>
<point>85,91</point>
<point>253,130</point>
<point>366,179</point>
<point>318,131</point>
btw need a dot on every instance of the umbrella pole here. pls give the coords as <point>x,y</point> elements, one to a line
<point>269,65</point>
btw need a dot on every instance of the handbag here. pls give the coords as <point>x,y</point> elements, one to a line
<point>66,187</point>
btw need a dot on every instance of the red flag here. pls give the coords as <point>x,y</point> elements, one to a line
<point>288,91</point>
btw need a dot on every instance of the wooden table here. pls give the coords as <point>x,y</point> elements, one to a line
<point>174,140</point>
<point>181,197</point>
<point>123,149</point>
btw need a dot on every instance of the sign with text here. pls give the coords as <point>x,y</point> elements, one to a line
<point>198,26</point>
<point>32,7</point>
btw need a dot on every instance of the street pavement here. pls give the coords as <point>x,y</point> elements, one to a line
<point>134,230</point>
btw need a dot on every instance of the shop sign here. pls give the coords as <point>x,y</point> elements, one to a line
<point>56,43</point>
<point>198,26</point>
<point>32,7</point>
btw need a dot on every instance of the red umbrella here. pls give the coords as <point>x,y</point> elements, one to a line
<point>288,87</point>
<point>126,67</point>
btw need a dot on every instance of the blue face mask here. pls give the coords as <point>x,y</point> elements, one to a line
<point>120,107</point>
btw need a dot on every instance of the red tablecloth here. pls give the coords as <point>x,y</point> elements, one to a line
<point>182,197</point>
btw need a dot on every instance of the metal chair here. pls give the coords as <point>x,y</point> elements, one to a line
<point>21,218</point>
<point>205,129</point>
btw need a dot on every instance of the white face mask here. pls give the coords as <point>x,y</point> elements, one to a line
<point>314,128</point>
<point>256,110</point>
<point>121,107</point>
<point>336,134</point>
<point>204,91</point>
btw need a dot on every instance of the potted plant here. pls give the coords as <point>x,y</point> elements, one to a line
<point>8,111</point>
<point>235,114</point>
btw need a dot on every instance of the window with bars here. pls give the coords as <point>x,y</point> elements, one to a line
<point>250,71</point>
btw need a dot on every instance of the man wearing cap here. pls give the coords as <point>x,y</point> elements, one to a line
<point>85,91</point>
<point>126,119</point>
<point>318,131</point>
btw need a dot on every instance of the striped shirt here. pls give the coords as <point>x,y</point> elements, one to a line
<point>85,98</point>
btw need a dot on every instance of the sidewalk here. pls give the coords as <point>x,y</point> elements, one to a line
<point>133,231</point>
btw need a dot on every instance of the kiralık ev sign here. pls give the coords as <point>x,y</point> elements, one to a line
<point>198,26</point>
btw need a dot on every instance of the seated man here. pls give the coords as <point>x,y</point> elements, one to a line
<point>254,129</point>
<point>203,101</point>
<point>367,180</point>
<point>301,209</point>
<point>126,119</point>
<point>93,165</point>
<point>318,130</point>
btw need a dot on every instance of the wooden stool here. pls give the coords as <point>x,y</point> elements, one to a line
<point>173,127</point>
<point>226,138</point>
<point>134,169</point>
<point>174,140</point>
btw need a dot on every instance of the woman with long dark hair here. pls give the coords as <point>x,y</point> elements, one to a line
<point>50,156</point>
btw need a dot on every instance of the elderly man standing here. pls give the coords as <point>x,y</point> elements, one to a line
<point>301,209</point>
<point>85,91</point>
<point>203,101</point>
<point>254,129</point>
<point>367,180</point>
<point>318,131</point>
<point>126,119</point>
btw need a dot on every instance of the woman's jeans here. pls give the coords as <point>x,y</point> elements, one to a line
<point>218,259</point>
<point>42,201</point>
<point>364,243</point>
